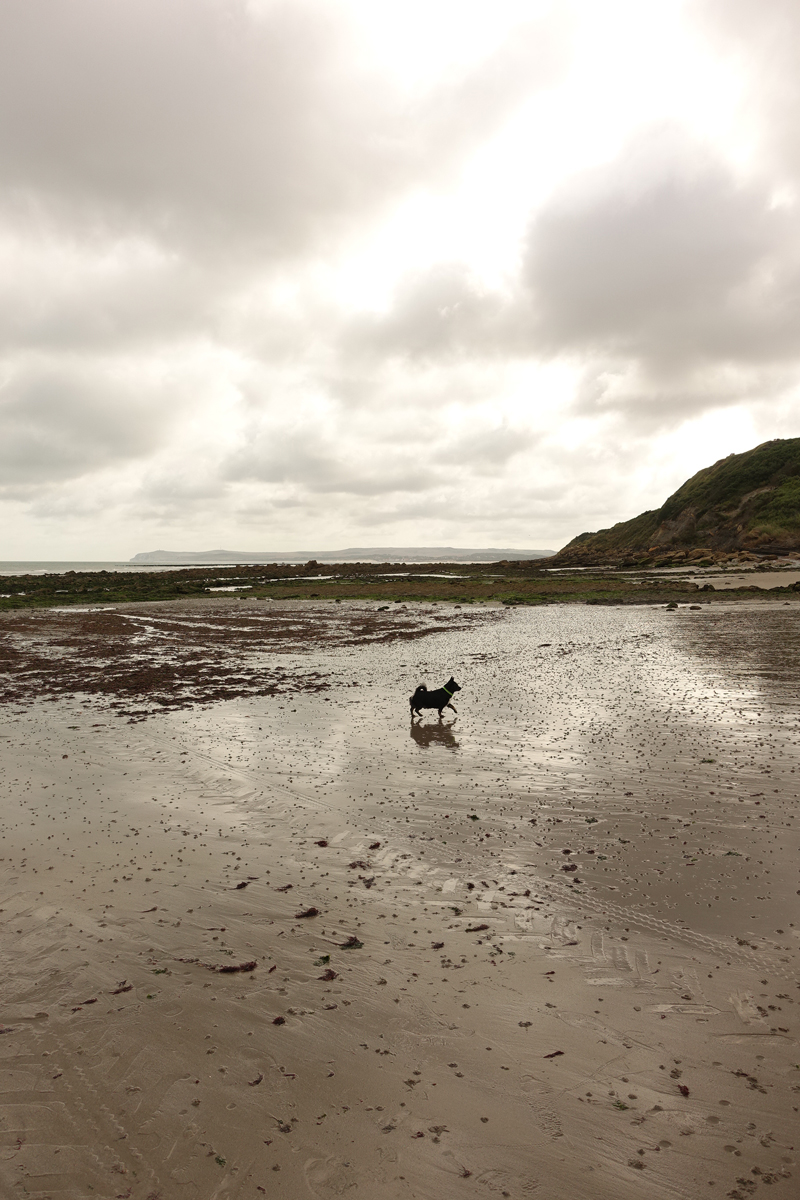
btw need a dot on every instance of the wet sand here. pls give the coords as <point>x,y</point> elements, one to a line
<point>548,947</point>
<point>762,579</point>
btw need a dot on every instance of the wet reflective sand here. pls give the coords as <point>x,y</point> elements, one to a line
<point>575,898</point>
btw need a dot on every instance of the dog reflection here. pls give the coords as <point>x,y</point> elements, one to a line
<point>440,734</point>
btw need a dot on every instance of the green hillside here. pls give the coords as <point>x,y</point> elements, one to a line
<point>745,502</point>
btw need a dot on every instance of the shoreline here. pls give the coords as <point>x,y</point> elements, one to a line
<point>508,583</point>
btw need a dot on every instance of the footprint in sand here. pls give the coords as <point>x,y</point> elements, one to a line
<point>329,1177</point>
<point>632,965</point>
<point>545,1117</point>
<point>745,1007</point>
<point>564,931</point>
<point>507,1184</point>
<point>688,981</point>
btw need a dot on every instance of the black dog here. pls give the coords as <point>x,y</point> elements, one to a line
<point>440,698</point>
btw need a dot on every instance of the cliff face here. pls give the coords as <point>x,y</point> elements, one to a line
<point>745,503</point>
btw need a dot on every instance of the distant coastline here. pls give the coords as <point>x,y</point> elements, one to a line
<point>165,560</point>
<point>366,554</point>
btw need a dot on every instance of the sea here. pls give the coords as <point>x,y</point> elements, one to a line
<point>11,567</point>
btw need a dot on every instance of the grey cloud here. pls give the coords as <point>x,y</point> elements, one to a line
<point>403,399</point>
<point>406,446</point>
<point>208,124</point>
<point>459,503</point>
<point>659,255</point>
<point>652,403</point>
<point>659,260</point>
<point>441,311</point>
<point>670,283</point>
<point>176,489</point>
<point>488,451</point>
<point>110,297</point>
<point>323,464</point>
<point>60,419</point>
<point>171,115</point>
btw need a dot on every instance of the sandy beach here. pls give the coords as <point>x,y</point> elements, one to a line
<point>263,936</point>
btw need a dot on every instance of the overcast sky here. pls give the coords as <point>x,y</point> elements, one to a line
<point>306,274</point>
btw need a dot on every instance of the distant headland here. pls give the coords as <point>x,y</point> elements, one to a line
<point>380,554</point>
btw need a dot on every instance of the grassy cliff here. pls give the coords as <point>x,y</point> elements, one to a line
<point>745,502</point>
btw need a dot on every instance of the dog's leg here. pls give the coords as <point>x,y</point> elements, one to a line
<point>455,710</point>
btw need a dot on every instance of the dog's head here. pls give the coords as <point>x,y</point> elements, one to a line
<point>451,683</point>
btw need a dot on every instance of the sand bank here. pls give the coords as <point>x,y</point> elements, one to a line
<point>548,947</point>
